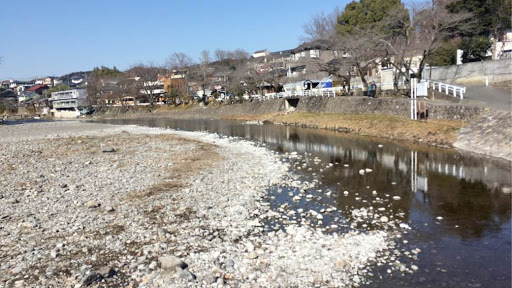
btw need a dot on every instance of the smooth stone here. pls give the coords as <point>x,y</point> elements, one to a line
<point>171,262</point>
<point>107,271</point>
<point>108,149</point>
<point>186,275</point>
<point>153,265</point>
<point>252,255</point>
<point>92,204</point>
<point>229,262</point>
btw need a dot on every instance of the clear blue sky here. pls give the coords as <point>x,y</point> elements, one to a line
<point>57,37</point>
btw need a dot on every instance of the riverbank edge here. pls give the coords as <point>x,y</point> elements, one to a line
<point>382,117</point>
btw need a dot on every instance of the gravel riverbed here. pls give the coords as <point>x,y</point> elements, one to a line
<point>85,204</point>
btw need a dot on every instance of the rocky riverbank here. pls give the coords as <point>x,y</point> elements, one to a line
<point>92,204</point>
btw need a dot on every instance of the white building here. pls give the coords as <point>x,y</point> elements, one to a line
<point>502,49</point>
<point>67,104</point>
<point>260,53</point>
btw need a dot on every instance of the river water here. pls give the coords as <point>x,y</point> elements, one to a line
<point>458,206</point>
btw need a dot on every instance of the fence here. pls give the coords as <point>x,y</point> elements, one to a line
<point>321,92</point>
<point>448,89</point>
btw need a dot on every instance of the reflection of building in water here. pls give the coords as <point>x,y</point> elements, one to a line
<point>440,163</point>
<point>443,163</point>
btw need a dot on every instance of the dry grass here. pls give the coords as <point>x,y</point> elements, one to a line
<point>186,164</point>
<point>439,132</point>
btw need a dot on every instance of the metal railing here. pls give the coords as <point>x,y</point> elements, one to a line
<point>321,92</point>
<point>448,89</point>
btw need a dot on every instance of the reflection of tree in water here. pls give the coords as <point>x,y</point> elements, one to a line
<point>294,137</point>
<point>471,206</point>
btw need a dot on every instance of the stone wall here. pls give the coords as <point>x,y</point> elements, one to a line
<point>385,106</point>
<point>489,135</point>
<point>473,73</point>
<point>339,105</point>
<point>196,111</point>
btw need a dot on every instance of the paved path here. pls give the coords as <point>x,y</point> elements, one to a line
<point>492,97</point>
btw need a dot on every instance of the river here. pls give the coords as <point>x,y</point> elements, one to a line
<point>457,205</point>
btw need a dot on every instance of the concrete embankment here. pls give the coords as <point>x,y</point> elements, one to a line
<point>340,105</point>
<point>491,135</point>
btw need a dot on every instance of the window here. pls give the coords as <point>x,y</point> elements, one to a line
<point>303,54</point>
<point>314,53</point>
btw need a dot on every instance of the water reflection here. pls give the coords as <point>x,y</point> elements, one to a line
<point>459,206</point>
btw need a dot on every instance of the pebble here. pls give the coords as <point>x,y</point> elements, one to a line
<point>252,255</point>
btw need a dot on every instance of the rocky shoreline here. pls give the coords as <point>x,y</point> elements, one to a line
<point>94,204</point>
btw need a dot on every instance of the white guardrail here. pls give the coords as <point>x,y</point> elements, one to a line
<point>322,92</point>
<point>448,89</point>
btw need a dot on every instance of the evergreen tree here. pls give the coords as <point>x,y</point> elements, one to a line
<point>491,18</point>
<point>366,14</point>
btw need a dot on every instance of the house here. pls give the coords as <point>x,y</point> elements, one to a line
<point>37,101</point>
<point>7,83</point>
<point>303,61</point>
<point>260,53</point>
<point>77,80</point>
<point>26,95</point>
<point>48,80</point>
<point>8,95</point>
<point>39,88</point>
<point>502,49</point>
<point>22,87</point>
<point>67,104</point>
<point>57,82</point>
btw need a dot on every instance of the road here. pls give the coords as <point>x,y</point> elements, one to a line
<point>492,97</point>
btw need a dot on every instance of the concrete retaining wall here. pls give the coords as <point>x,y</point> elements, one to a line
<point>385,106</point>
<point>340,105</point>
<point>473,73</point>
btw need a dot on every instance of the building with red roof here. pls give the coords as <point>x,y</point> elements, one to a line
<point>39,88</point>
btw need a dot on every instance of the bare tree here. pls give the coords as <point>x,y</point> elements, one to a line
<point>204,58</point>
<point>351,53</point>
<point>179,60</point>
<point>239,54</point>
<point>220,54</point>
<point>321,26</point>
<point>418,34</point>
<point>146,80</point>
